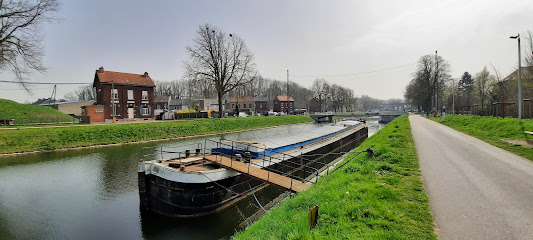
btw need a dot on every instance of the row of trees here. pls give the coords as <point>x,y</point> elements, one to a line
<point>220,65</point>
<point>432,86</point>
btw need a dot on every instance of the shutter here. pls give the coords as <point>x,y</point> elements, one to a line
<point>149,110</point>
<point>141,112</point>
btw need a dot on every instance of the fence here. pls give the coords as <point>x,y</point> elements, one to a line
<point>497,109</point>
<point>39,120</point>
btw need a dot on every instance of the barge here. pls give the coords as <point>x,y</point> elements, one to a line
<point>187,184</point>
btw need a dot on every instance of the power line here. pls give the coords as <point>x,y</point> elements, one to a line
<point>48,83</point>
<point>360,73</point>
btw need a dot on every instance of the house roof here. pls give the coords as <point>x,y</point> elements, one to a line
<point>161,99</point>
<point>514,74</point>
<point>285,99</point>
<point>261,99</point>
<point>123,78</point>
<point>241,99</point>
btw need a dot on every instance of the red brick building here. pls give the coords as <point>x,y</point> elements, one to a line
<point>126,96</point>
<point>284,104</point>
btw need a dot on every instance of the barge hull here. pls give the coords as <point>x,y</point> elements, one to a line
<point>182,200</point>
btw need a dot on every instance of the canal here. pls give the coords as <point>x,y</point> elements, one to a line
<point>93,194</point>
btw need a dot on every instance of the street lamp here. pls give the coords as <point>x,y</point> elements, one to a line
<point>519,80</point>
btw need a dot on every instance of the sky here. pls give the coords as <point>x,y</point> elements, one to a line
<point>369,46</point>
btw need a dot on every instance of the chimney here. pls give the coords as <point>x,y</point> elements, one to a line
<point>101,70</point>
<point>145,74</point>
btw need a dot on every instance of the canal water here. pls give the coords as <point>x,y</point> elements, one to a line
<point>93,194</point>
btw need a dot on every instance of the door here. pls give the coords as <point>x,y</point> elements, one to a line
<point>130,113</point>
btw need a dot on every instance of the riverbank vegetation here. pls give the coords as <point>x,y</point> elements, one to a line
<point>494,130</point>
<point>26,139</point>
<point>371,197</point>
<point>28,113</point>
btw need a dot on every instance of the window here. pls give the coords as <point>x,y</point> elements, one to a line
<point>232,105</point>
<point>130,94</point>
<point>250,105</point>
<point>115,110</point>
<point>145,95</point>
<point>145,110</point>
<point>114,93</point>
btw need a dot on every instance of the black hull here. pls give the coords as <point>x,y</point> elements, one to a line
<point>182,200</point>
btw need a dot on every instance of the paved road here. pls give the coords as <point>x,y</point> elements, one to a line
<point>475,190</point>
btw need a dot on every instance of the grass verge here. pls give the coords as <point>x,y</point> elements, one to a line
<point>371,197</point>
<point>24,139</point>
<point>493,129</point>
<point>27,113</point>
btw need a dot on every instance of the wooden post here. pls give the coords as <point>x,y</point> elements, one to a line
<point>313,216</point>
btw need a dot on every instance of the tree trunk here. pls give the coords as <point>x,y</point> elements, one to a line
<point>220,107</point>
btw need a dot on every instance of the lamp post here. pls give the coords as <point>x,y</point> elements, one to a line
<point>519,80</point>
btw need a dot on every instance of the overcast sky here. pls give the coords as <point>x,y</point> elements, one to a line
<point>336,40</point>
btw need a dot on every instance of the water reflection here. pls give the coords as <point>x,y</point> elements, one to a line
<point>93,194</point>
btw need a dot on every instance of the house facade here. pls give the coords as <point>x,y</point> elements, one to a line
<point>242,104</point>
<point>125,96</point>
<point>284,104</point>
<point>261,105</point>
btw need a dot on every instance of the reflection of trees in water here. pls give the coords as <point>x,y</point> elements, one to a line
<point>5,228</point>
<point>119,170</point>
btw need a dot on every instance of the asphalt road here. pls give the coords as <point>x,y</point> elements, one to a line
<point>475,190</point>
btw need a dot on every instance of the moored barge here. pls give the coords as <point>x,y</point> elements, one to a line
<point>187,185</point>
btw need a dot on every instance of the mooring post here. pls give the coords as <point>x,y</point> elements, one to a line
<point>291,184</point>
<point>316,176</point>
<point>313,216</point>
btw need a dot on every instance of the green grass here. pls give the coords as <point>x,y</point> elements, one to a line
<point>493,129</point>
<point>27,113</point>
<point>371,197</point>
<point>24,139</point>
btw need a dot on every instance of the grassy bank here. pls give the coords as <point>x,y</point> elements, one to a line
<point>371,197</point>
<point>27,113</point>
<point>23,140</point>
<point>493,130</point>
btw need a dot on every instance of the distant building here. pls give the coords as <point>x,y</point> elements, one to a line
<point>261,105</point>
<point>243,104</point>
<point>313,105</point>
<point>125,96</point>
<point>161,102</point>
<point>284,104</point>
<point>211,103</point>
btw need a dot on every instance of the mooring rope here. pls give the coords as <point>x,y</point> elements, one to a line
<point>251,189</point>
<point>219,184</point>
<point>368,150</point>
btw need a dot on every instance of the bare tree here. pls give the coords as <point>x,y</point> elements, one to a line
<point>221,59</point>
<point>529,48</point>
<point>20,39</point>
<point>83,93</point>
<point>483,83</point>
<point>320,89</point>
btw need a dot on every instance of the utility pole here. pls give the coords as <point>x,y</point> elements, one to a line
<point>436,82</point>
<point>50,104</point>
<point>113,99</point>
<point>287,103</point>
<point>453,96</point>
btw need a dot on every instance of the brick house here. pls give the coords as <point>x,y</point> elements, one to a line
<point>126,96</point>
<point>243,104</point>
<point>284,104</point>
<point>261,105</point>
